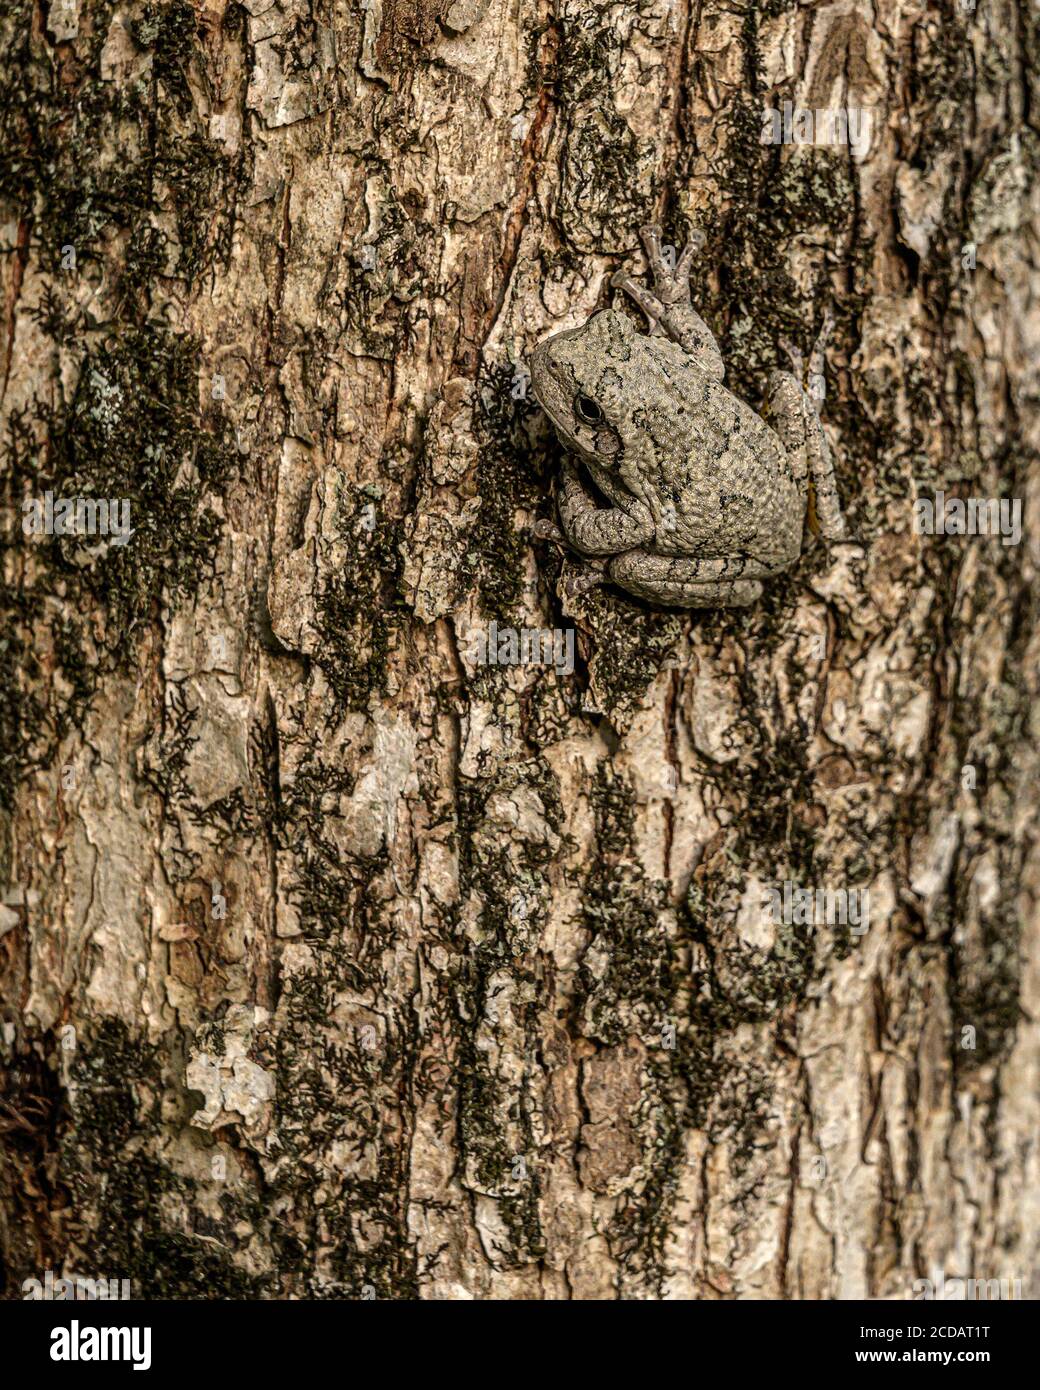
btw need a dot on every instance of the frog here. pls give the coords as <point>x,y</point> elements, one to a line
<point>695,499</point>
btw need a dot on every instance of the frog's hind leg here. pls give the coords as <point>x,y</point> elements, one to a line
<point>684,582</point>
<point>668,306</point>
<point>796,419</point>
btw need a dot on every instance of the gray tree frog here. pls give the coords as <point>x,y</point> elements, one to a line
<point>706,498</point>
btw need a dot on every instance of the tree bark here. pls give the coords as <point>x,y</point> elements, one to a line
<point>337,962</point>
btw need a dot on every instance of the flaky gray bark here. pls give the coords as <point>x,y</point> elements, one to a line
<point>336,963</point>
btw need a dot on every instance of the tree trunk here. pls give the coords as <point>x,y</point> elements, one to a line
<point>341,961</point>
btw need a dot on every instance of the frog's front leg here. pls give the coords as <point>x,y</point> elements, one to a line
<point>593,530</point>
<point>668,305</point>
<point>796,419</point>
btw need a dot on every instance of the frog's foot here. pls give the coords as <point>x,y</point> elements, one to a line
<point>671,283</point>
<point>816,356</point>
<point>585,574</point>
<point>795,414</point>
<point>681,582</point>
<point>668,305</point>
<point>581,580</point>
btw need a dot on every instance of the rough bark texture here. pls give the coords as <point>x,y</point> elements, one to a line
<point>336,964</point>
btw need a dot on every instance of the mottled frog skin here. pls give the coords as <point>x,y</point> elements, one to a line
<point>706,498</point>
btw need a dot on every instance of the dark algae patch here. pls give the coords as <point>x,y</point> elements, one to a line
<point>92,159</point>
<point>116,1082</point>
<point>359,610</point>
<point>130,432</point>
<point>114,189</point>
<point>508,480</point>
<point>116,195</point>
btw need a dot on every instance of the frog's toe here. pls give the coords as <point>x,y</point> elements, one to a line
<point>794,356</point>
<point>816,358</point>
<point>651,239</point>
<point>580,580</point>
<point>691,249</point>
<point>651,306</point>
<point>578,584</point>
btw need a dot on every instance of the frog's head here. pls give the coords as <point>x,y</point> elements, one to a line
<point>581,378</point>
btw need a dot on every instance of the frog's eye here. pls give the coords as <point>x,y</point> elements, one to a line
<point>587,410</point>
